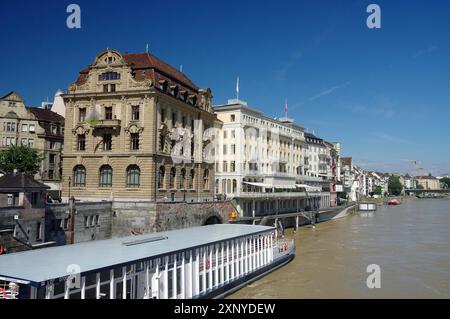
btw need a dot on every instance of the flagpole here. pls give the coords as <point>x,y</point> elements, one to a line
<point>237,89</point>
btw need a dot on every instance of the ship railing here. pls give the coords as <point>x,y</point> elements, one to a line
<point>282,247</point>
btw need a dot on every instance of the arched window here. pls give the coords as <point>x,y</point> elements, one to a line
<point>105,176</point>
<point>161,176</point>
<point>192,179</point>
<point>79,176</point>
<point>133,176</point>
<point>183,179</point>
<point>206,179</point>
<point>173,173</point>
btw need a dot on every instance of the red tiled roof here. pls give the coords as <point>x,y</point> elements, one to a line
<point>46,115</point>
<point>146,66</point>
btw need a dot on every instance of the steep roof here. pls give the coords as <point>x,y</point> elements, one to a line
<point>19,181</point>
<point>427,177</point>
<point>148,66</point>
<point>46,115</point>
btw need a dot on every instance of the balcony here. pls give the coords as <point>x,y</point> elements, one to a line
<point>261,195</point>
<point>103,124</point>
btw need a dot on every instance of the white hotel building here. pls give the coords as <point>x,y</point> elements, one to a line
<point>260,163</point>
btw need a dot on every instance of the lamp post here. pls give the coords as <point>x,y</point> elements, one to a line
<point>70,182</point>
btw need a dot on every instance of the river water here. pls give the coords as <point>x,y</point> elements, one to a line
<point>410,243</point>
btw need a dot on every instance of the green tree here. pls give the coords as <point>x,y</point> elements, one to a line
<point>445,182</point>
<point>20,157</point>
<point>378,190</point>
<point>394,186</point>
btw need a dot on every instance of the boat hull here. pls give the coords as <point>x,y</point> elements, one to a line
<point>227,289</point>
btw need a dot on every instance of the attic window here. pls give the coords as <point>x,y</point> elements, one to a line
<point>163,85</point>
<point>174,90</point>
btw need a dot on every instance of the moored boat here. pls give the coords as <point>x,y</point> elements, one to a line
<point>202,262</point>
<point>394,202</point>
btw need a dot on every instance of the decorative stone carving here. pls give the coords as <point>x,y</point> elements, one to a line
<point>80,129</point>
<point>206,100</point>
<point>133,128</point>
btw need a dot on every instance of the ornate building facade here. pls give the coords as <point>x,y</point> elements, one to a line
<point>134,132</point>
<point>38,128</point>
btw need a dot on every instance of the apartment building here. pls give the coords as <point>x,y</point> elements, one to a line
<point>38,128</point>
<point>134,132</point>
<point>260,163</point>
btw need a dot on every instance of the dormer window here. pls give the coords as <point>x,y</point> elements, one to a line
<point>174,90</point>
<point>163,85</point>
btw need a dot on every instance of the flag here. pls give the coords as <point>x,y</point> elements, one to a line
<point>237,86</point>
<point>286,106</point>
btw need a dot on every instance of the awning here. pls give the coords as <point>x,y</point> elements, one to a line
<point>271,185</point>
<point>309,188</point>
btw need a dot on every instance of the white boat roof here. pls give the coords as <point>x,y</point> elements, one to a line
<point>40,265</point>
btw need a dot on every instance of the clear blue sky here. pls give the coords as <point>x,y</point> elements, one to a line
<point>384,94</point>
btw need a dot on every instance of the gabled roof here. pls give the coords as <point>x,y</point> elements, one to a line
<point>9,94</point>
<point>19,181</point>
<point>148,66</point>
<point>46,115</point>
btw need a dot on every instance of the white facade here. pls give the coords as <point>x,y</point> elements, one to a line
<point>260,163</point>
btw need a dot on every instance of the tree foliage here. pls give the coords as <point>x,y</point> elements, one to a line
<point>394,186</point>
<point>445,182</point>
<point>378,190</point>
<point>20,157</point>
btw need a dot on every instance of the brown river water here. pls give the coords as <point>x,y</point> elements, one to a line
<point>410,243</point>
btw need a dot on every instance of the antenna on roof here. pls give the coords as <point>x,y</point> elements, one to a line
<point>146,48</point>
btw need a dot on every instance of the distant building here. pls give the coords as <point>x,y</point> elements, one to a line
<point>22,212</point>
<point>39,128</point>
<point>429,182</point>
<point>262,163</point>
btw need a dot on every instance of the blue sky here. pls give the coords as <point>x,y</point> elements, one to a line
<point>384,94</point>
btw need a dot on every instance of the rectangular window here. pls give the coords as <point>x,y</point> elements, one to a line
<point>134,141</point>
<point>10,200</point>
<point>30,143</point>
<point>81,142</point>
<point>224,149</point>
<point>107,142</point>
<point>8,127</point>
<point>13,127</point>
<point>51,174</point>
<point>113,88</point>
<point>34,198</point>
<point>105,88</point>
<point>24,127</point>
<point>24,141</point>
<point>233,149</point>
<point>51,158</point>
<point>225,167</point>
<point>135,113</point>
<point>81,115</point>
<point>108,113</point>
<point>233,118</point>
<point>233,166</point>
<point>52,145</point>
<point>87,221</point>
<point>225,134</point>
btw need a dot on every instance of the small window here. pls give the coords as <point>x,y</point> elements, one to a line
<point>79,174</point>
<point>133,176</point>
<point>81,142</point>
<point>135,113</point>
<point>30,142</point>
<point>87,221</point>
<point>32,128</point>
<point>112,88</point>
<point>106,176</point>
<point>108,113</point>
<point>51,174</point>
<point>107,142</point>
<point>233,118</point>
<point>134,141</point>
<point>39,231</point>
<point>24,127</point>
<point>81,115</point>
<point>51,158</point>
<point>105,88</point>
<point>10,200</point>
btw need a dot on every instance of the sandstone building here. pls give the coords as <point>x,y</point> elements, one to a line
<point>134,132</point>
<point>38,128</point>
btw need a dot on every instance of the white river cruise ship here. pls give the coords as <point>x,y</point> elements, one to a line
<point>201,262</point>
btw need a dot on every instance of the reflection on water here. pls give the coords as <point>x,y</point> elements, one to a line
<point>410,242</point>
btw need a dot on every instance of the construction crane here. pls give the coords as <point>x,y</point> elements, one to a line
<point>416,168</point>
